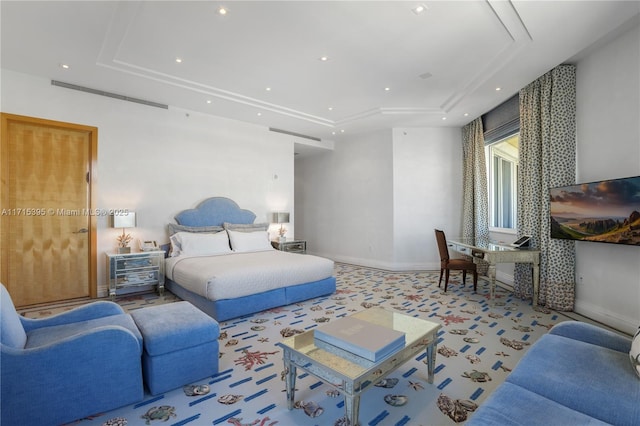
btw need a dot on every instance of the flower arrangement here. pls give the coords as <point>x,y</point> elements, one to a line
<point>124,239</point>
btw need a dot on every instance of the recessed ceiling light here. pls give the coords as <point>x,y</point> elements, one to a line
<point>208,101</point>
<point>444,118</point>
<point>333,133</point>
<point>386,89</point>
<point>222,10</point>
<point>466,114</point>
<point>419,9</point>
<point>498,89</point>
<point>342,131</point>
<point>330,108</point>
<point>65,66</point>
<point>268,89</point>
<point>324,58</point>
<point>259,114</point>
<point>179,60</point>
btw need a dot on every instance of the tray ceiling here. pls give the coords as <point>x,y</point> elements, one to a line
<point>322,69</point>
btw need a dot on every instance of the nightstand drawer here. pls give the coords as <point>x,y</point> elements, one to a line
<point>297,246</point>
<point>292,246</point>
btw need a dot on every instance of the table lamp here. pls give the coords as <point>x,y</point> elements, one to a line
<point>280,218</point>
<point>124,220</point>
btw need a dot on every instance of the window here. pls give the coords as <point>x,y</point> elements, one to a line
<point>501,135</point>
<point>502,173</point>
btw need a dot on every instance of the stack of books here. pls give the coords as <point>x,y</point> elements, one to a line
<point>362,338</point>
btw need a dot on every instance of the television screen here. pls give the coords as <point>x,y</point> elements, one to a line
<point>607,211</point>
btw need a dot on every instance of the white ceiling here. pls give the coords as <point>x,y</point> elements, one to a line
<point>443,63</point>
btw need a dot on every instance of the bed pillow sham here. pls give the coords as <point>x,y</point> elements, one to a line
<point>242,242</point>
<point>175,228</point>
<point>200,244</point>
<point>245,227</point>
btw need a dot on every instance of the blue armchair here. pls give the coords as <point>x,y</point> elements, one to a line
<point>68,366</point>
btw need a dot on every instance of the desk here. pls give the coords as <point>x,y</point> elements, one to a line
<point>493,253</point>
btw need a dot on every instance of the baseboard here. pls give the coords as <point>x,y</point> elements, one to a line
<point>378,264</point>
<point>611,319</point>
<point>591,312</point>
<point>401,267</point>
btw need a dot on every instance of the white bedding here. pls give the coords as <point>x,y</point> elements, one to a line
<point>241,274</point>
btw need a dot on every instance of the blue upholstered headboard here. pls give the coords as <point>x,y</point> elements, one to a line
<point>215,211</point>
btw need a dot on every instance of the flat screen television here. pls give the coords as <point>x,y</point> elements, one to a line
<point>607,211</point>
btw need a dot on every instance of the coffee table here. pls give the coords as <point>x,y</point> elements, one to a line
<point>349,373</point>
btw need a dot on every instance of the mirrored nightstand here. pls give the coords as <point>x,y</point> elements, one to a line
<point>135,270</point>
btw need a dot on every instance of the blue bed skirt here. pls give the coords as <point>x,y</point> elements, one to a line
<point>222,310</point>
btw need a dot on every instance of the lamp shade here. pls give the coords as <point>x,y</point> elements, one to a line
<point>280,217</point>
<point>127,220</point>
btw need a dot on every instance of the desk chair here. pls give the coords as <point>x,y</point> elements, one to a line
<point>447,264</point>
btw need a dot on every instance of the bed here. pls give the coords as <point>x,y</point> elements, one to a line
<point>222,262</point>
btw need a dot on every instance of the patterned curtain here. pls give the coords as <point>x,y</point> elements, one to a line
<point>547,159</point>
<point>475,217</point>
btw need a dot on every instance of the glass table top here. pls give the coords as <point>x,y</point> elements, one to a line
<point>485,244</point>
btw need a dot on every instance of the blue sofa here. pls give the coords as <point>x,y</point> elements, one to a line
<point>577,374</point>
<point>68,366</point>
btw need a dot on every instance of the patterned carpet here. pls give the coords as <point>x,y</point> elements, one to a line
<point>477,347</point>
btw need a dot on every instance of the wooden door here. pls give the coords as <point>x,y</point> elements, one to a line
<point>48,226</point>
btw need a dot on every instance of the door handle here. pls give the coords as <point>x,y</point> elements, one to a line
<point>81,231</point>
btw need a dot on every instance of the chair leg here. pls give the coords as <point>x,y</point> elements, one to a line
<point>446,281</point>
<point>475,281</point>
<point>464,277</point>
<point>440,280</point>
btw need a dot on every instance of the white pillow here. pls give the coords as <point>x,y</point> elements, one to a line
<point>200,244</point>
<point>249,241</point>
<point>634,353</point>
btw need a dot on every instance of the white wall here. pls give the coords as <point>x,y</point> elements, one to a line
<point>427,193</point>
<point>346,199</point>
<point>377,197</point>
<point>608,117</point>
<point>159,162</point>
